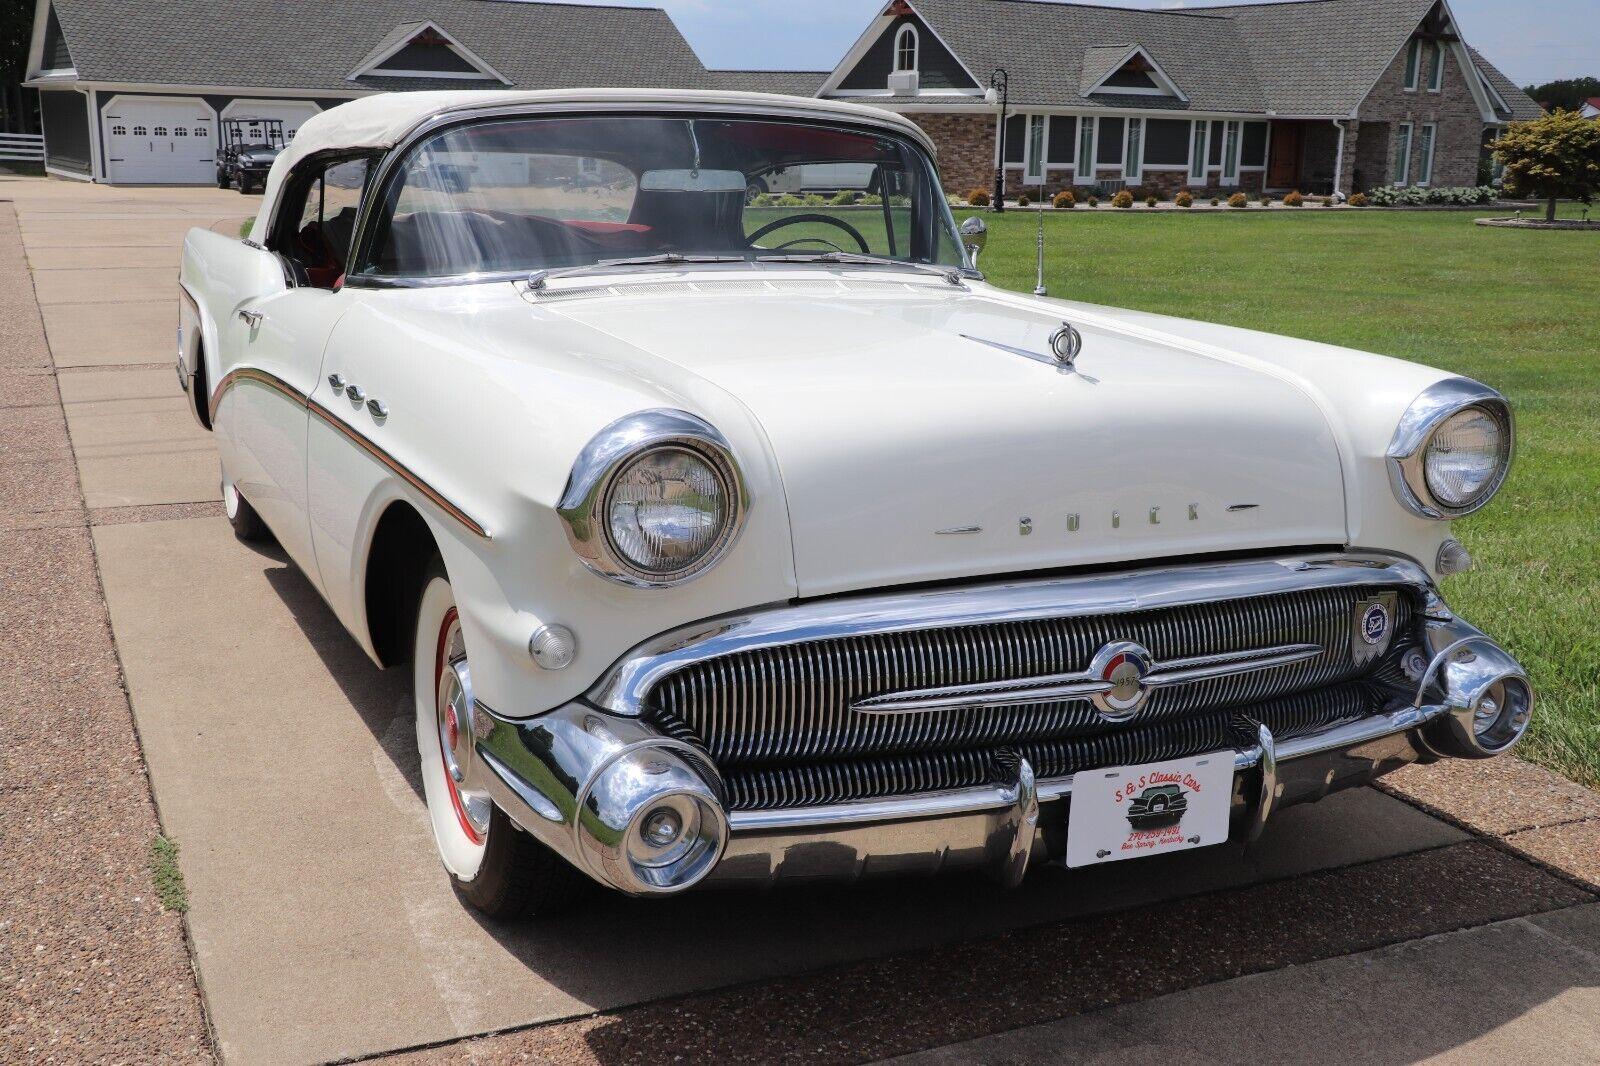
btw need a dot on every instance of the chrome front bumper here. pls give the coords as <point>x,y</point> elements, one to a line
<point>583,777</point>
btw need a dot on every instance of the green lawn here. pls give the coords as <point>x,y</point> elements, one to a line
<point>1518,310</point>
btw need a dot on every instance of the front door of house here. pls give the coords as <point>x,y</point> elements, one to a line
<point>1283,165</point>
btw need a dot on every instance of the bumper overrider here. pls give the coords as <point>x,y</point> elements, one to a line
<point>647,812</point>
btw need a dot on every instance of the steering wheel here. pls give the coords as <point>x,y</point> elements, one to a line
<point>795,220</point>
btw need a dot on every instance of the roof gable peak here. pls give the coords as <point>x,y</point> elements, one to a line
<point>424,50</point>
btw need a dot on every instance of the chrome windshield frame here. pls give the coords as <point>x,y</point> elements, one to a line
<point>388,168</point>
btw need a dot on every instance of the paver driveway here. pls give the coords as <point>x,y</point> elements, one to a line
<point>322,927</point>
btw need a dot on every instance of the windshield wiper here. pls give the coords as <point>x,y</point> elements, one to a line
<point>949,274</point>
<point>537,279</point>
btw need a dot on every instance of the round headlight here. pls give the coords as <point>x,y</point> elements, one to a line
<point>666,510</point>
<point>1465,458</point>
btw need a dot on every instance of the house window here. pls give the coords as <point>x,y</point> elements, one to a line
<point>1413,64</point>
<point>1131,163</point>
<point>1086,151</point>
<point>1197,153</point>
<point>1214,156</point>
<point>1033,160</point>
<point>1062,135</point>
<point>1108,150</point>
<point>1436,72</point>
<point>1230,154</point>
<point>905,48</point>
<point>1402,155</point>
<point>1430,133</point>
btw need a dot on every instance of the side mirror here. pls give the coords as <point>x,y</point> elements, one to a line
<point>974,235</point>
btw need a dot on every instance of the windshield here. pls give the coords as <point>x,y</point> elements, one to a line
<point>523,194</point>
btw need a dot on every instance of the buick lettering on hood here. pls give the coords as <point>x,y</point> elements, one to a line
<point>734,539</point>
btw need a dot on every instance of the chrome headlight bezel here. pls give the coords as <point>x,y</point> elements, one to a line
<point>614,449</point>
<point>1407,455</point>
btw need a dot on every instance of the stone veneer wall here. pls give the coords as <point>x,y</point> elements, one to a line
<point>966,150</point>
<point>1460,137</point>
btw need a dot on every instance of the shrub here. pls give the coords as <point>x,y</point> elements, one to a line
<point>1266,201</point>
<point>1065,199</point>
<point>1123,199</point>
<point>1151,201</point>
<point>1239,199</point>
<point>1023,199</point>
<point>978,198</point>
<point>1294,199</point>
<point>815,200</point>
<point>1389,196</point>
<point>873,200</point>
<point>1093,201</point>
<point>790,200</point>
<point>1215,201</point>
<point>1185,199</point>
<point>843,198</point>
<point>1358,199</point>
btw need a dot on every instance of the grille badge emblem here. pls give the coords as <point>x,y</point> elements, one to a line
<point>1123,665</point>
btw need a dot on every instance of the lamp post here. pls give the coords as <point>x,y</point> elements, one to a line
<point>999,86</point>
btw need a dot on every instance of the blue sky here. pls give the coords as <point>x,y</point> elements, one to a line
<point>1531,40</point>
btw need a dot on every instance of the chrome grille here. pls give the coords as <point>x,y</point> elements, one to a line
<point>772,787</point>
<point>790,704</point>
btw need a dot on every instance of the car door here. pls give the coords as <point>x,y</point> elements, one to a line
<point>275,340</point>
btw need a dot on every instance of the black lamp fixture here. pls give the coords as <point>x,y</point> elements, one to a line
<point>999,88</point>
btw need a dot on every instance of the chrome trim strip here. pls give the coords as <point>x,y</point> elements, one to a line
<point>1059,688</point>
<point>277,384</point>
<point>623,688</point>
<point>996,797</point>
<point>1426,413</point>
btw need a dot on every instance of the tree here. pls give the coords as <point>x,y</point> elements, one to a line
<point>1566,94</point>
<point>1556,157</point>
<point>16,32</point>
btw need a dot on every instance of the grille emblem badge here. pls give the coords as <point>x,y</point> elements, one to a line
<point>1123,665</point>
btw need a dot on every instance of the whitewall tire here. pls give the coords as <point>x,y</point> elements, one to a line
<point>494,866</point>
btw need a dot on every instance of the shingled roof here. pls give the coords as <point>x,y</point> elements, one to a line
<point>314,46</point>
<point>1310,58</point>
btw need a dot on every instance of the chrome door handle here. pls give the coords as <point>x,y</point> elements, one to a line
<point>336,382</point>
<point>252,318</point>
<point>356,393</point>
<point>378,408</point>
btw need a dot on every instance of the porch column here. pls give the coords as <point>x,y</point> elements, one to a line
<point>1338,161</point>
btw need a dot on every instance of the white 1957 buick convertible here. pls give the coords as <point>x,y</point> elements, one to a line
<point>732,542</point>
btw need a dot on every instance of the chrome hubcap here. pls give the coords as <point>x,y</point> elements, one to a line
<point>453,704</point>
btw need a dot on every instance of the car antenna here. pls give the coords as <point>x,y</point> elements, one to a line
<point>1038,285</point>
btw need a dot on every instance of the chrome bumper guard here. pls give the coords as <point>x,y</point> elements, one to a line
<point>588,781</point>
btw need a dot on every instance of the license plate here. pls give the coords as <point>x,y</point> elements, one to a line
<point>1130,812</point>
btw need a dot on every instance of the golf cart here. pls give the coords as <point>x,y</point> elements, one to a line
<point>249,145</point>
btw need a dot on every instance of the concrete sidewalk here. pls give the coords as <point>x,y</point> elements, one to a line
<point>322,926</point>
<point>1526,990</point>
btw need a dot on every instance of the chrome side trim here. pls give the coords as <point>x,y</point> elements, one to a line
<point>624,687</point>
<point>1059,688</point>
<point>283,388</point>
<point>1409,446</point>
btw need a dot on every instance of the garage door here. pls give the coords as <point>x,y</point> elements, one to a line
<point>290,112</point>
<point>155,140</point>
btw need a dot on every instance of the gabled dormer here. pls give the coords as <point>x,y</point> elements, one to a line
<point>424,50</point>
<point>1125,70</point>
<point>49,54</point>
<point>901,54</point>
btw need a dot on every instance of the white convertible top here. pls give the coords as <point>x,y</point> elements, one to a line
<point>384,119</point>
